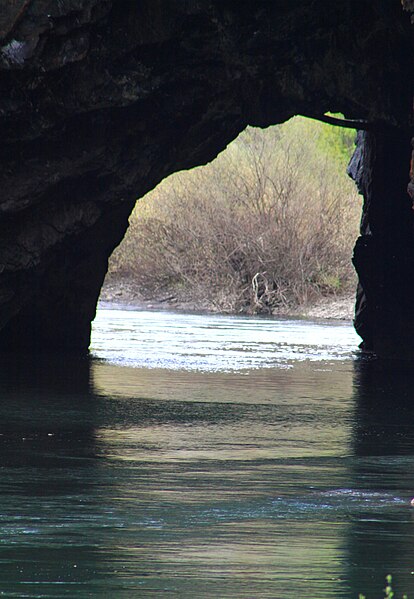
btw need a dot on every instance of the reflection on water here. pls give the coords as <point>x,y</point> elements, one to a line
<point>120,481</point>
<point>383,443</point>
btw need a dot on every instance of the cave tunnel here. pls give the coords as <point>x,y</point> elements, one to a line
<point>101,100</point>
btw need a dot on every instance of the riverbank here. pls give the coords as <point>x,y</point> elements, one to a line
<point>126,293</point>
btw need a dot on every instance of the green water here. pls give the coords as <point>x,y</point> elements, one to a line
<point>262,470</point>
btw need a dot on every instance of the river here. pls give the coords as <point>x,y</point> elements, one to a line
<point>203,456</point>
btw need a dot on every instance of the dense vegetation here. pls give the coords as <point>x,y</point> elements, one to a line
<point>269,225</point>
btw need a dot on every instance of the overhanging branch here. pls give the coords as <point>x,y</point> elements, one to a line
<point>347,123</point>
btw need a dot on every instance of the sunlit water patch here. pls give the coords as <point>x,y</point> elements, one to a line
<point>215,342</point>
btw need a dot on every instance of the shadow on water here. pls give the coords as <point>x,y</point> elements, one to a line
<point>68,497</point>
<point>383,464</point>
<point>49,484</point>
<point>43,400</point>
<point>62,496</point>
<point>116,482</point>
<point>384,408</point>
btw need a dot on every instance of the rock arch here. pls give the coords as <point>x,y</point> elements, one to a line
<point>100,100</point>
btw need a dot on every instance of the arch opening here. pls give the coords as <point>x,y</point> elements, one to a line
<point>267,227</point>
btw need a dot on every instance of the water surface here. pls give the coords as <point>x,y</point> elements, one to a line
<point>204,456</point>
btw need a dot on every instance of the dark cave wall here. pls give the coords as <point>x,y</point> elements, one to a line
<point>100,100</point>
<point>384,252</point>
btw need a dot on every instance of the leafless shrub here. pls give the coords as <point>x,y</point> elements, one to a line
<point>269,224</point>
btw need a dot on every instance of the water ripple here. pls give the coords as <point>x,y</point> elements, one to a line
<point>214,343</point>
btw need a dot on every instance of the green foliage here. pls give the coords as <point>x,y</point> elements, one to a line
<point>337,142</point>
<point>331,142</point>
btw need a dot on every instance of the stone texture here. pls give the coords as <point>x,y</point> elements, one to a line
<point>100,100</point>
<point>384,254</point>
